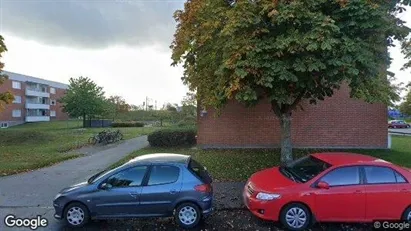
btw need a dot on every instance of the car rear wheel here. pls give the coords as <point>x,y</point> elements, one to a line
<point>406,216</point>
<point>187,215</point>
<point>295,217</point>
<point>76,215</point>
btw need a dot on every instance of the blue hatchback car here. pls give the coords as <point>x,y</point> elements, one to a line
<point>155,185</point>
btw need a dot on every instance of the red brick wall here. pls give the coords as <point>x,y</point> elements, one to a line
<point>339,122</point>
<point>6,114</point>
<point>60,115</point>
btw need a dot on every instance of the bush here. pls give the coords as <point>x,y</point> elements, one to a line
<point>186,123</point>
<point>127,124</point>
<point>172,138</point>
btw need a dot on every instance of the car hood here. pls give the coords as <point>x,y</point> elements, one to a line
<point>270,180</point>
<point>74,187</point>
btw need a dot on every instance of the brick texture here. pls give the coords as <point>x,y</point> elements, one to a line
<point>58,108</point>
<point>336,122</point>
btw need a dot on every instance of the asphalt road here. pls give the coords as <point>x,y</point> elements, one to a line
<point>402,130</point>
<point>31,194</point>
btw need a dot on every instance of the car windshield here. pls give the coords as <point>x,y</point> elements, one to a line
<point>304,169</point>
<point>99,175</point>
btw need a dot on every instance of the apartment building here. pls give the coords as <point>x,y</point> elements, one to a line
<point>35,100</point>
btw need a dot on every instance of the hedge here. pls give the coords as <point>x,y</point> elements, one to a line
<point>173,137</point>
<point>127,124</point>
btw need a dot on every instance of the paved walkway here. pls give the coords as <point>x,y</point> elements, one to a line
<point>31,194</point>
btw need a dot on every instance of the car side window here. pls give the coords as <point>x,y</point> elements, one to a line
<point>163,174</point>
<point>128,178</point>
<point>400,178</point>
<point>379,175</point>
<point>343,176</point>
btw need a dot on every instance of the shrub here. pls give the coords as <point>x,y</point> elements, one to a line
<point>127,124</point>
<point>172,137</point>
<point>186,123</point>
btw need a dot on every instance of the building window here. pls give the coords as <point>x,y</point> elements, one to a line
<point>16,113</point>
<point>53,102</point>
<point>4,125</point>
<point>16,85</point>
<point>53,113</point>
<point>17,99</point>
<point>52,90</point>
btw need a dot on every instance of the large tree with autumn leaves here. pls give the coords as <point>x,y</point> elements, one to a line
<point>5,97</point>
<point>286,51</point>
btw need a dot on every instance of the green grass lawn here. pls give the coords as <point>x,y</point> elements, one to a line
<point>238,165</point>
<point>35,145</point>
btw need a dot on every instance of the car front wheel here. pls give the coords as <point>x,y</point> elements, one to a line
<point>295,217</point>
<point>187,215</point>
<point>406,216</point>
<point>76,215</point>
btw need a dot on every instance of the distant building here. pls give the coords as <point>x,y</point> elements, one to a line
<point>35,100</point>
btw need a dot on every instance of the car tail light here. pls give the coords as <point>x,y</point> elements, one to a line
<point>203,188</point>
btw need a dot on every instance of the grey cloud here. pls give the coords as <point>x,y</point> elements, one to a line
<point>91,23</point>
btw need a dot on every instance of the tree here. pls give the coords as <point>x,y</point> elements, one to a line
<point>120,105</point>
<point>5,97</point>
<point>286,52</point>
<point>84,99</point>
<point>406,50</point>
<point>405,106</point>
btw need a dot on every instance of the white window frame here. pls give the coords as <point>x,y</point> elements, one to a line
<point>52,90</point>
<point>4,125</point>
<point>16,85</point>
<point>16,116</point>
<point>53,100</point>
<point>52,112</point>
<point>15,99</point>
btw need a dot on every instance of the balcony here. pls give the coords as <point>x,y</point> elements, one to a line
<point>37,106</point>
<point>37,92</point>
<point>37,118</point>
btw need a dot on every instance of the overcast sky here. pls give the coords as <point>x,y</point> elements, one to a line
<point>123,45</point>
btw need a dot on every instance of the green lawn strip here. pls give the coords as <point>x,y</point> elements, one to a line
<point>240,164</point>
<point>35,145</point>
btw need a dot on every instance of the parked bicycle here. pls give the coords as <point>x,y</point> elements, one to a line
<point>106,137</point>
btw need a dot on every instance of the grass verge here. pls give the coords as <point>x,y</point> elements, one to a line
<point>239,164</point>
<point>35,145</point>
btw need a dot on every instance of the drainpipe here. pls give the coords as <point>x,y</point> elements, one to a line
<point>389,141</point>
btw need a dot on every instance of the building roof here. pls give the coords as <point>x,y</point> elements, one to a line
<point>344,158</point>
<point>26,78</point>
<point>161,157</point>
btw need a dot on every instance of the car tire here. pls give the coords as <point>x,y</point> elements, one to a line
<point>299,210</point>
<point>406,216</point>
<point>187,215</point>
<point>76,215</point>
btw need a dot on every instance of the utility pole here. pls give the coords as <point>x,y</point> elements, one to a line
<point>156,105</point>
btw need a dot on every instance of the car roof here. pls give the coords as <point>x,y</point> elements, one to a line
<point>346,158</point>
<point>160,158</point>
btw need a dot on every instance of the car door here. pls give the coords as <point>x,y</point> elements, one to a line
<point>387,193</point>
<point>344,200</point>
<point>162,190</point>
<point>121,197</point>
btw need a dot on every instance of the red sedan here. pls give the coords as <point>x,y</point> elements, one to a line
<point>330,187</point>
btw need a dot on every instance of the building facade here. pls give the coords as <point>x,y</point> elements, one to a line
<point>337,122</point>
<point>35,100</point>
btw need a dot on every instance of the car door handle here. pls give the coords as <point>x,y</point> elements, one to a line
<point>404,190</point>
<point>173,191</point>
<point>357,191</point>
<point>134,194</point>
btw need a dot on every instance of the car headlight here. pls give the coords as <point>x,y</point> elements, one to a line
<point>267,196</point>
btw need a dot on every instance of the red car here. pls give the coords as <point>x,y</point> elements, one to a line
<point>330,187</point>
<point>398,124</point>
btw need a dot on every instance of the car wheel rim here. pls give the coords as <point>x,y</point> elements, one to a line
<point>75,216</point>
<point>187,215</point>
<point>409,216</point>
<point>296,217</point>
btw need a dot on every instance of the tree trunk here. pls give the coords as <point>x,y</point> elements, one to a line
<point>286,144</point>
<point>84,120</point>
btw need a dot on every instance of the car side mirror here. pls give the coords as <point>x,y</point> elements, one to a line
<point>323,185</point>
<point>106,186</point>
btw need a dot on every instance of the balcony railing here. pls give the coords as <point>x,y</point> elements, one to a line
<point>30,105</point>
<point>37,118</point>
<point>37,93</point>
